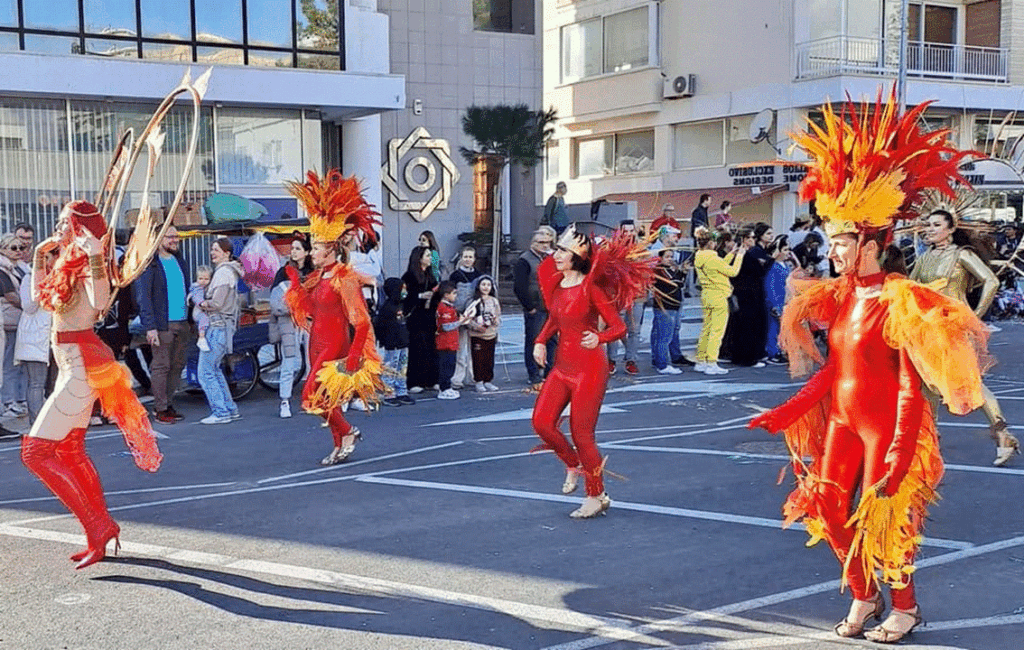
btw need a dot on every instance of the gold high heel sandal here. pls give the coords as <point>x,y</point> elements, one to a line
<point>1006,443</point>
<point>849,629</point>
<point>592,507</point>
<point>572,479</point>
<point>896,626</point>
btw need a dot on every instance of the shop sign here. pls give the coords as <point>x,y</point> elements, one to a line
<point>991,173</point>
<point>758,175</point>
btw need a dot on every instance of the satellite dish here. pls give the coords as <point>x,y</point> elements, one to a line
<point>761,125</point>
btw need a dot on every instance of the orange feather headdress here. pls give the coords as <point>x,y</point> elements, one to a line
<point>869,170</point>
<point>335,205</point>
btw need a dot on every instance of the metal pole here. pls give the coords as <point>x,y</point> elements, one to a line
<point>901,76</point>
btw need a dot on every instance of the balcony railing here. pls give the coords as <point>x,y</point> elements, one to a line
<point>840,55</point>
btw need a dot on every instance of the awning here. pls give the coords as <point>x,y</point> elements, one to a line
<point>684,201</point>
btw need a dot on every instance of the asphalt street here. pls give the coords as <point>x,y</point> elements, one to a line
<point>444,532</point>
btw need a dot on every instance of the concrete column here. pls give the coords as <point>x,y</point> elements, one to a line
<point>361,156</point>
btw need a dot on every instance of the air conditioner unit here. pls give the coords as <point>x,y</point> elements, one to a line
<point>681,86</point>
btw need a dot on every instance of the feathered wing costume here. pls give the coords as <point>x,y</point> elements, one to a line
<point>329,302</point>
<point>862,420</point>
<point>620,270</point>
<point>76,287</point>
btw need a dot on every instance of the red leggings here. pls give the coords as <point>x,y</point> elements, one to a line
<point>585,391</point>
<point>335,420</point>
<point>855,458</point>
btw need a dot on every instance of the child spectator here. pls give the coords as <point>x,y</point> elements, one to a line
<point>392,335</point>
<point>447,339</point>
<point>196,294</point>
<point>464,275</point>
<point>667,299</point>
<point>484,314</point>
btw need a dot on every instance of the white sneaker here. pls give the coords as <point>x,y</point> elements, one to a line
<point>358,405</point>
<point>993,328</point>
<point>10,412</point>
<point>203,344</point>
<point>715,369</point>
<point>416,389</point>
<point>759,364</point>
<point>669,370</point>
<point>480,388</point>
<point>448,394</point>
<point>215,419</point>
<point>491,387</point>
<point>21,407</point>
<point>286,409</point>
<point>700,366</point>
<point>456,386</point>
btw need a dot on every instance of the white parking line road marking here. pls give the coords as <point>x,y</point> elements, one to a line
<point>786,596</point>
<point>109,493</point>
<point>621,505</point>
<point>980,469</point>
<point>320,470</point>
<point>553,618</point>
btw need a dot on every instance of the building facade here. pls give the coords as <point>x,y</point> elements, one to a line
<point>453,54</point>
<point>661,101</point>
<point>292,82</point>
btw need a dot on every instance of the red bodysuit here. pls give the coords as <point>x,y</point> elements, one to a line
<point>579,375</point>
<point>333,301</point>
<point>862,419</point>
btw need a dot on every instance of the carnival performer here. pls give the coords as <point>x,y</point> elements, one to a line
<point>951,258</point>
<point>862,418</point>
<point>77,288</point>
<point>329,304</point>
<point>582,282</point>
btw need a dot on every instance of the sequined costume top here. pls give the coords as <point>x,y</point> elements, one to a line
<point>961,268</point>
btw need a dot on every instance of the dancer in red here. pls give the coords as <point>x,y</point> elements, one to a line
<point>77,289</point>
<point>862,418</point>
<point>583,282</point>
<point>329,303</point>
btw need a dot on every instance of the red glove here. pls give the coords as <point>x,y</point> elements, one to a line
<point>909,413</point>
<point>784,415</point>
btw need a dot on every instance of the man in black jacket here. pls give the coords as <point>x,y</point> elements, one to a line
<point>160,295</point>
<point>527,290</point>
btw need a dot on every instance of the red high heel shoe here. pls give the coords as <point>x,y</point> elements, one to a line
<point>71,453</point>
<point>98,540</point>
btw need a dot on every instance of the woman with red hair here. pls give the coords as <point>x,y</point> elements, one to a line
<point>77,289</point>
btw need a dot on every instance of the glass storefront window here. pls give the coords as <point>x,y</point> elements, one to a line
<point>111,48</point>
<point>258,149</point>
<point>267,59</point>
<point>110,17</point>
<point>166,52</point>
<point>268,22</point>
<point>52,44</point>
<point>9,13</point>
<point>9,42</point>
<point>167,19</point>
<point>51,14</point>
<point>220,55</point>
<point>319,61</point>
<point>219,22</point>
<point>317,25</point>
<point>34,178</point>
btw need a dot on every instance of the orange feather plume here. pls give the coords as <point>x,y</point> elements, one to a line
<point>335,205</point>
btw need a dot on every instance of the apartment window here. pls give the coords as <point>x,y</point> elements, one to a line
<point>551,162</point>
<point>931,23</point>
<point>503,16</point>
<point>999,135</point>
<point>739,148</point>
<point>699,145</point>
<point>618,154</point>
<point>614,43</point>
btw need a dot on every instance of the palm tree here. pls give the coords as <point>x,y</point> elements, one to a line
<point>502,135</point>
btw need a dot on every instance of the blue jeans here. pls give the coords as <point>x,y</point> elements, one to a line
<point>661,333</point>
<point>634,318</point>
<point>674,350</point>
<point>395,361</point>
<point>14,375</point>
<point>212,378</point>
<point>532,325</point>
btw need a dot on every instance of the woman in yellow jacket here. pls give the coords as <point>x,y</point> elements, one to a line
<point>714,273</point>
